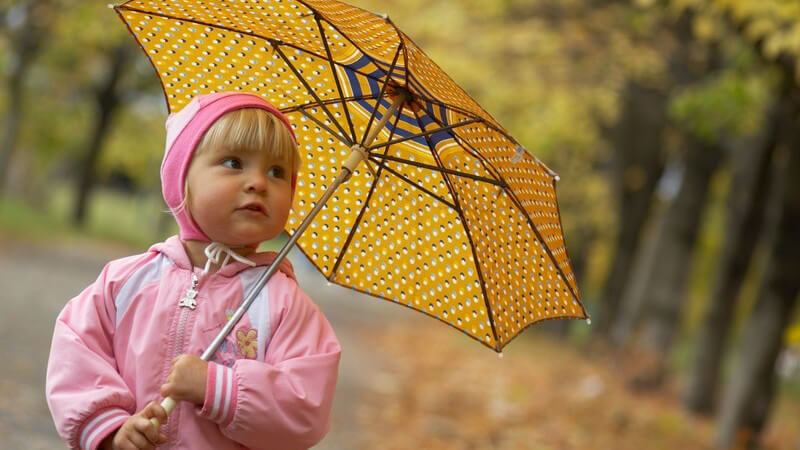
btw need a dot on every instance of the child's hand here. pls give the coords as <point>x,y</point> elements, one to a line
<point>138,432</point>
<point>187,380</point>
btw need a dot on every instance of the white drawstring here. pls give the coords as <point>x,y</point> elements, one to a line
<point>215,250</point>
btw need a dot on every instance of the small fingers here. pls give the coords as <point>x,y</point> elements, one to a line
<point>155,410</point>
<point>125,445</point>
<point>147,432</point>
<point>140,441</point>
<point>166,389</point>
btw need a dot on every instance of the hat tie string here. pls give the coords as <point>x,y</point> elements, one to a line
<point>214,252</point>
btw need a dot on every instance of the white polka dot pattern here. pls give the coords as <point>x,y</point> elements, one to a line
<point>480,248</point>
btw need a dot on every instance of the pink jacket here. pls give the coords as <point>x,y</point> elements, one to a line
<point>270,385</point>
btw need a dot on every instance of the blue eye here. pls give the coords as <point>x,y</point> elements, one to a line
<point>232,163</point>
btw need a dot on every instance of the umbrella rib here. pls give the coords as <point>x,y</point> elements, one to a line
<point>490,118</point>
<point>357,222</point>
<point>324,39</point>
<point>344,35</point>
<point>467,113</point>
<point>380,96</point>
<point>469,237</point>
<point>425,133</point>
<point>328,102</point>
<point>546,247</point>
<point>488,123</point>
<point>472,151</point>
<point>317,55</point>
<point>401,46</point>
<point>343,139</point>
<point>418,186</point>
<point>310,90</point>
<point>440,169</point>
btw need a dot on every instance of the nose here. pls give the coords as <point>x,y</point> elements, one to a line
<point>255,182</point>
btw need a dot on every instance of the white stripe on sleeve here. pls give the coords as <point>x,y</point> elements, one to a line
<point>100,423</point>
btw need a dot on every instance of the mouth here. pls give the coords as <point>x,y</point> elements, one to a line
<point>254,208</point>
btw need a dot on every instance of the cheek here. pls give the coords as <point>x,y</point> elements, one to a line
<point>204,205</point>
<point>283,201</point>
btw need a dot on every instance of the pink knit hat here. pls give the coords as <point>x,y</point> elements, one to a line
<point>185,129</point>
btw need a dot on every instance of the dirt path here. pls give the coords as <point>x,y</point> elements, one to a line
<point>36,282</point>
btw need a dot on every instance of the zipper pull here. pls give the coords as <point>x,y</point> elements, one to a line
<point>188,300</point>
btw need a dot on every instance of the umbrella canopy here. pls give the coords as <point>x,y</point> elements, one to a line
<point>450,216</point>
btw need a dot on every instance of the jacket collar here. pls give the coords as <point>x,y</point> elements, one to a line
<point>173,249</point>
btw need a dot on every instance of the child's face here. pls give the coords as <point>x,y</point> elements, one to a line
<point>239,198</point>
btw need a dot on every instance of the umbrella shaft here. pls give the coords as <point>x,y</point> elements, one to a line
<point>373,133</point>
<point>266,275</point>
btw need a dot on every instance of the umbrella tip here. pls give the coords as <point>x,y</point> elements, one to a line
<point>588,321</point>
<point>111,6</point>
<point>500,355</point>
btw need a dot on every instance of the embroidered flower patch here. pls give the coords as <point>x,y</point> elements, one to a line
<point>247,343</point>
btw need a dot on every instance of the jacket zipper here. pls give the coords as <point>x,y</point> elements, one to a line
<point>187,303</point>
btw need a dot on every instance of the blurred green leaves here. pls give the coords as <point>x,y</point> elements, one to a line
<point>60,107</point>
<point>728,105</point>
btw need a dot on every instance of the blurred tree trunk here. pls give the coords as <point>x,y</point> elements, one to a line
<point>662,260</point>
<point>638,164</point>
<point>108,97</point>
<point>748,397</point>
<point>661,300</point>
<point>747,201</point>
<point>27,25</point>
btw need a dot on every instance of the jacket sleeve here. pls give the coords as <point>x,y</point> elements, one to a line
<point>285,401</point>
<point>86,395</point>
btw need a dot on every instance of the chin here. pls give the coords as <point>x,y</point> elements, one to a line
<point>249,241</point>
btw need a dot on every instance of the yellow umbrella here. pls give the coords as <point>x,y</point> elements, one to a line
<point>450,216</point>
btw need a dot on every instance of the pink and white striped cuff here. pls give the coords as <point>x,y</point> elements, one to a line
<point>220,402</point>
<point>101,425</point>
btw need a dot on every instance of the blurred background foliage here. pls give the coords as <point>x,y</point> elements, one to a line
<point>672,123</point>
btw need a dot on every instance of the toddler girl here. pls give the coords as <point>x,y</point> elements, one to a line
<point>133,337</point>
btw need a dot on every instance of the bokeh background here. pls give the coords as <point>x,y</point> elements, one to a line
<point>673,125</point>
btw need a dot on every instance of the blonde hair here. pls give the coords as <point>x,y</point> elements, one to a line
<point>248,130</point>
<point>252,129</point>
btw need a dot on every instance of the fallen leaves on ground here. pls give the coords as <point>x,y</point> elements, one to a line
<point>437,390</point>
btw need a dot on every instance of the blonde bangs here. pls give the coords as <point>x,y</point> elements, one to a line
<point>252,130</point>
